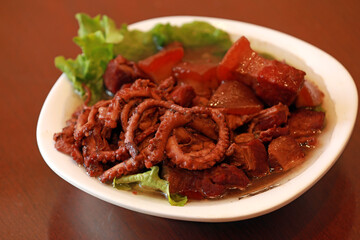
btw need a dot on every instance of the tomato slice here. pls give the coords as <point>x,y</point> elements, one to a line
<point>159,66</point>
<point>241,61</point>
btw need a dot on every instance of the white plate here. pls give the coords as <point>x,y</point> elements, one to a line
<point>341,108</point>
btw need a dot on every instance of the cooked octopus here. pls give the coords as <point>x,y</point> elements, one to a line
<point>100,138</point>
<point>213,143</point>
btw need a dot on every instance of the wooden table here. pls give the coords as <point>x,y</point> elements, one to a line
<point>35,203</point>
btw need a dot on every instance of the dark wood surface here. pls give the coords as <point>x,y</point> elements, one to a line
<point>35,203</point>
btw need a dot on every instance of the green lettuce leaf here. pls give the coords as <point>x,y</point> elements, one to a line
<point>162,34</point>
<point>100,41</point>
<point>96,38</point>
<point>106,25</point>
<point>150,179</point>
<point>136,45</point>
<point>192,35</point>
<point>88,24</point>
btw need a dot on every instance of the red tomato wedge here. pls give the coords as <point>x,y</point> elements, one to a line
<point>159,66</point>
<point>234,97</point>
<point>239,60</point>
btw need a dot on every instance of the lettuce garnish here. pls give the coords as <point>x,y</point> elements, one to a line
<point>192,35</point>
<point>150,179</point>
<point>96,37</point>
<point>100,41</point>
<point>136,45</point>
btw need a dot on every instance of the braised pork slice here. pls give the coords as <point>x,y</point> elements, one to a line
<point>211,183</point>
<point>274,116</point>
<point>279,83</point>
<point>274,132</point>
<point>183,95</point>
<point>305,125</point>
<point>120,71</point>
<point>273,81</point>
<point>201,75</point>
<point>284,153</point>
<point>250,156</point>
<point>234,97</point>
<point>244,137</point>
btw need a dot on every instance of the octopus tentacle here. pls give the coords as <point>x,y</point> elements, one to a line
<point>141,137</point>
<point>88,120</point>
<point>129,166</point>
<point>149,118</point>
<point>140,89</point>
<point>102,156</point>
<point>173,142</point>
<point>157,145</point>
<point>65,142</point>
<point>82,131</point>
<point>145,138</point>
<point>81,121</point>
<point>119,154</point>
<point>139,93</point>
<point>126,111</point>
<point>205,161</point>
<point>112,114</point>
<point>134,121</point>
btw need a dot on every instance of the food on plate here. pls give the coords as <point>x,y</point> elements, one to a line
<point>188,113</point>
